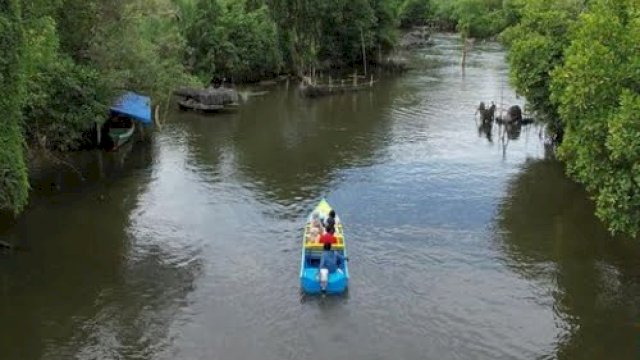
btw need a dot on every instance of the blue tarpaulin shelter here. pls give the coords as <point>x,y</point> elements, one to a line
<point>135,106</point>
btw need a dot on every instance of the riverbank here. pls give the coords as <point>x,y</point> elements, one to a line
<point>489,249</point>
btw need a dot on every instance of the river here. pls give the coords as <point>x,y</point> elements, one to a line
<point>463,244</point>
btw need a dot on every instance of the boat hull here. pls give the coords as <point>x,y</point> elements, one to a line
<point>338,282</point>
<point>120,137</point>
<point>336,285</point>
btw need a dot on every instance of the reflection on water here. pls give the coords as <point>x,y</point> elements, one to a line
<point>82,288</point>
<point>291,147</point>
<point>549,236</point>
<point>465,243</point>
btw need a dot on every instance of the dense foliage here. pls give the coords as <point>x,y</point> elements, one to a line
<point>65,61</point>
<point>80,55</point>
<point>597,90</point>
<point>578,62</point>
<point>230,38</point>
<point>331,33</point>
<point>477,18</point>
<point>472,18</point>
<point>13,173</point>
<point>537,45</point>
<point>415,12</point>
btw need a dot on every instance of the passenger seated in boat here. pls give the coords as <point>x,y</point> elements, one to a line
<point>331,220</point>
<point>331,260</point>
<point>317,222</point>
<point>330,263</point>
<point>314,235</point>
<point>328,237</point>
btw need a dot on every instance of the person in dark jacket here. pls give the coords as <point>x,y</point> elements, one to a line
<point>331,220</point>
<point>331,260</point>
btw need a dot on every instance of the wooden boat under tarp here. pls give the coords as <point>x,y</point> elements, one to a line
<point>120,131</point>
<point>128,109</point>
<point>312,251</point>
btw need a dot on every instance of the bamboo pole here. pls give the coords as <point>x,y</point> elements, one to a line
<point>99,133</point>
<point>140,127</point>
<point>100,165</point>
<point>157,117</point>
<point>464,52</point>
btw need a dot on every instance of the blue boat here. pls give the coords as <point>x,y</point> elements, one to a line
<point>312,251</point>
<point>126,111</point>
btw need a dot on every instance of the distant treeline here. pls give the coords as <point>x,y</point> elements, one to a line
<point>63,62</point>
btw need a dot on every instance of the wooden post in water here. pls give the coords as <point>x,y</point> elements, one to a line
<point>355,78</point>
<point>464,56</point>
<point>330,83</point>
<point>98,133</point>
<point>371,83</point>
<point>464,52</point>
<point>100,165</point>
<point>141,128</point>
<point>157,117</point>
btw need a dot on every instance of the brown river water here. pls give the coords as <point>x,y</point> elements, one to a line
<point>463,244</point>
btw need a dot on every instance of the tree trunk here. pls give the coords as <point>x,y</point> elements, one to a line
<point>364,53</point>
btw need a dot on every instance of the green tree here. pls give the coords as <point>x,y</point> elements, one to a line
<point>227,40</point>
<point>536,47</point>
<point>477,18</point>
<point>414,12</point>
<point>597,89</point>
<point>252,49</point>
<point>80,55</point>
<point>14,184</point>
<point>387,17</point>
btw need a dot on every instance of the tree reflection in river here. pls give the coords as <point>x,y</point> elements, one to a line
<point>280,141</point>
<point>594,279</point>
<point>75,291</point>
<point>307,142</point>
